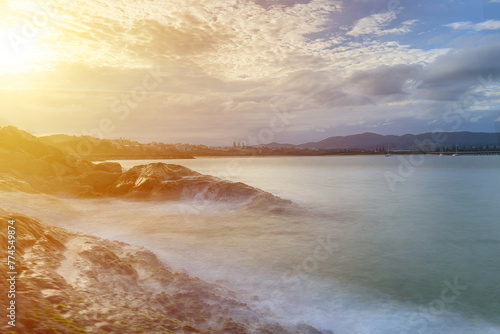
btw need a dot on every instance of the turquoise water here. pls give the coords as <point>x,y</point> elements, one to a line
<point>437,226</point>
<point>358,256</point>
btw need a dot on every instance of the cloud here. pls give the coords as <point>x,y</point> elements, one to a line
<point>228,67</point>
<point>461,81</point>
<point>468,25</point>
<point>387,80</point>
<point>463,67</point>
<point>231,40</point>
<point>375,24</point>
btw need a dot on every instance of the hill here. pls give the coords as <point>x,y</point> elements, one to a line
<point>24,155</point>
<point>372,141</point>
<point>94,149</point>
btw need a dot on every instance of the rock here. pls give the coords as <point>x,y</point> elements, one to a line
<point>145,180</point>
<point>39,184</point>
<point>85,166</point>
<point>15,140</point>
<point>76,283</point>
<point>24,155</point>
<point>105,327</point>
<point>110,167</point>
<point>161,181</point>
<point>10,183</point>
<point>103,257</point>
<point>99,180</point>
<point>23,164</point>
<point>54,296</point>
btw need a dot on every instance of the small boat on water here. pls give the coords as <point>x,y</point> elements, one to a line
<point>456,154</point>
<point>387,152</point>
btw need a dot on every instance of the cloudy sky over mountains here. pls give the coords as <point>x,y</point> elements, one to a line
<point>216,71</point>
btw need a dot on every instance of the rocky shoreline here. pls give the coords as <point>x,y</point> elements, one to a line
<point>29,165</point>
<point>70,282</point>
<point>75,283</point>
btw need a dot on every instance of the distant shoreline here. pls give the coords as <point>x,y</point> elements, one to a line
<point>106,157</point>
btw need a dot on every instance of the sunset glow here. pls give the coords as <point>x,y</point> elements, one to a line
<point>250,166</point>
<point>337,67</point>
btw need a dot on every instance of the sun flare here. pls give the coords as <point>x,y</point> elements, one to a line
<point>18,54</point>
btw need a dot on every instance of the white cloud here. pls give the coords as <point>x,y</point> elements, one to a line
<point>468,25</point>
<point>374,24</point>
<point>228,67</point>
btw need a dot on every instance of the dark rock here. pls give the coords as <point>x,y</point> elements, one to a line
<point>85,166</point>
<point>110,167</point>
<point>99,180</point>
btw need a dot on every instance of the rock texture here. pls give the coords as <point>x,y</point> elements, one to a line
<point>74,283</point>
<point>174,182</point>
<point>110,167</point>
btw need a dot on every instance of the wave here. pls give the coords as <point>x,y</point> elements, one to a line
<point>254,253</point>
<point>81,283</point>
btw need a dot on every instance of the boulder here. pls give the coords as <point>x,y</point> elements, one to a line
<point>99,180</point>
<point>159,181</point>
<point>85,166</point>
<point>110,167</point>
<point>147,180</point>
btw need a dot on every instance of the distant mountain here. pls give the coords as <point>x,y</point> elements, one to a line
<point>372,141</point>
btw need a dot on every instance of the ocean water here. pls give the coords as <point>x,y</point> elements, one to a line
<point>375,244</point>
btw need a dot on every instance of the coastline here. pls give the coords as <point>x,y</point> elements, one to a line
<point>78,283</point>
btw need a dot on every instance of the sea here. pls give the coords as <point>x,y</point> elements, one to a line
<point>372,244</point>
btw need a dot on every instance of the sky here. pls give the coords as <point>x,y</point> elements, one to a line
<point>256,71</point>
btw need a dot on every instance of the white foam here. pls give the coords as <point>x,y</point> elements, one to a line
<point>248,252</point>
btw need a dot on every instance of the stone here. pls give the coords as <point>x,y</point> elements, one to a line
<point>110,167</point>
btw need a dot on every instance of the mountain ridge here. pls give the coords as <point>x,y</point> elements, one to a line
<point>371,141</point>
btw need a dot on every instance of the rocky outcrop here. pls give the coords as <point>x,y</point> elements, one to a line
<point>29,165</point>
<point>146,180</point>
<point>45,168</point>
<point>15,140</point>
<point>174,182</point>
<point>75,283</point>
